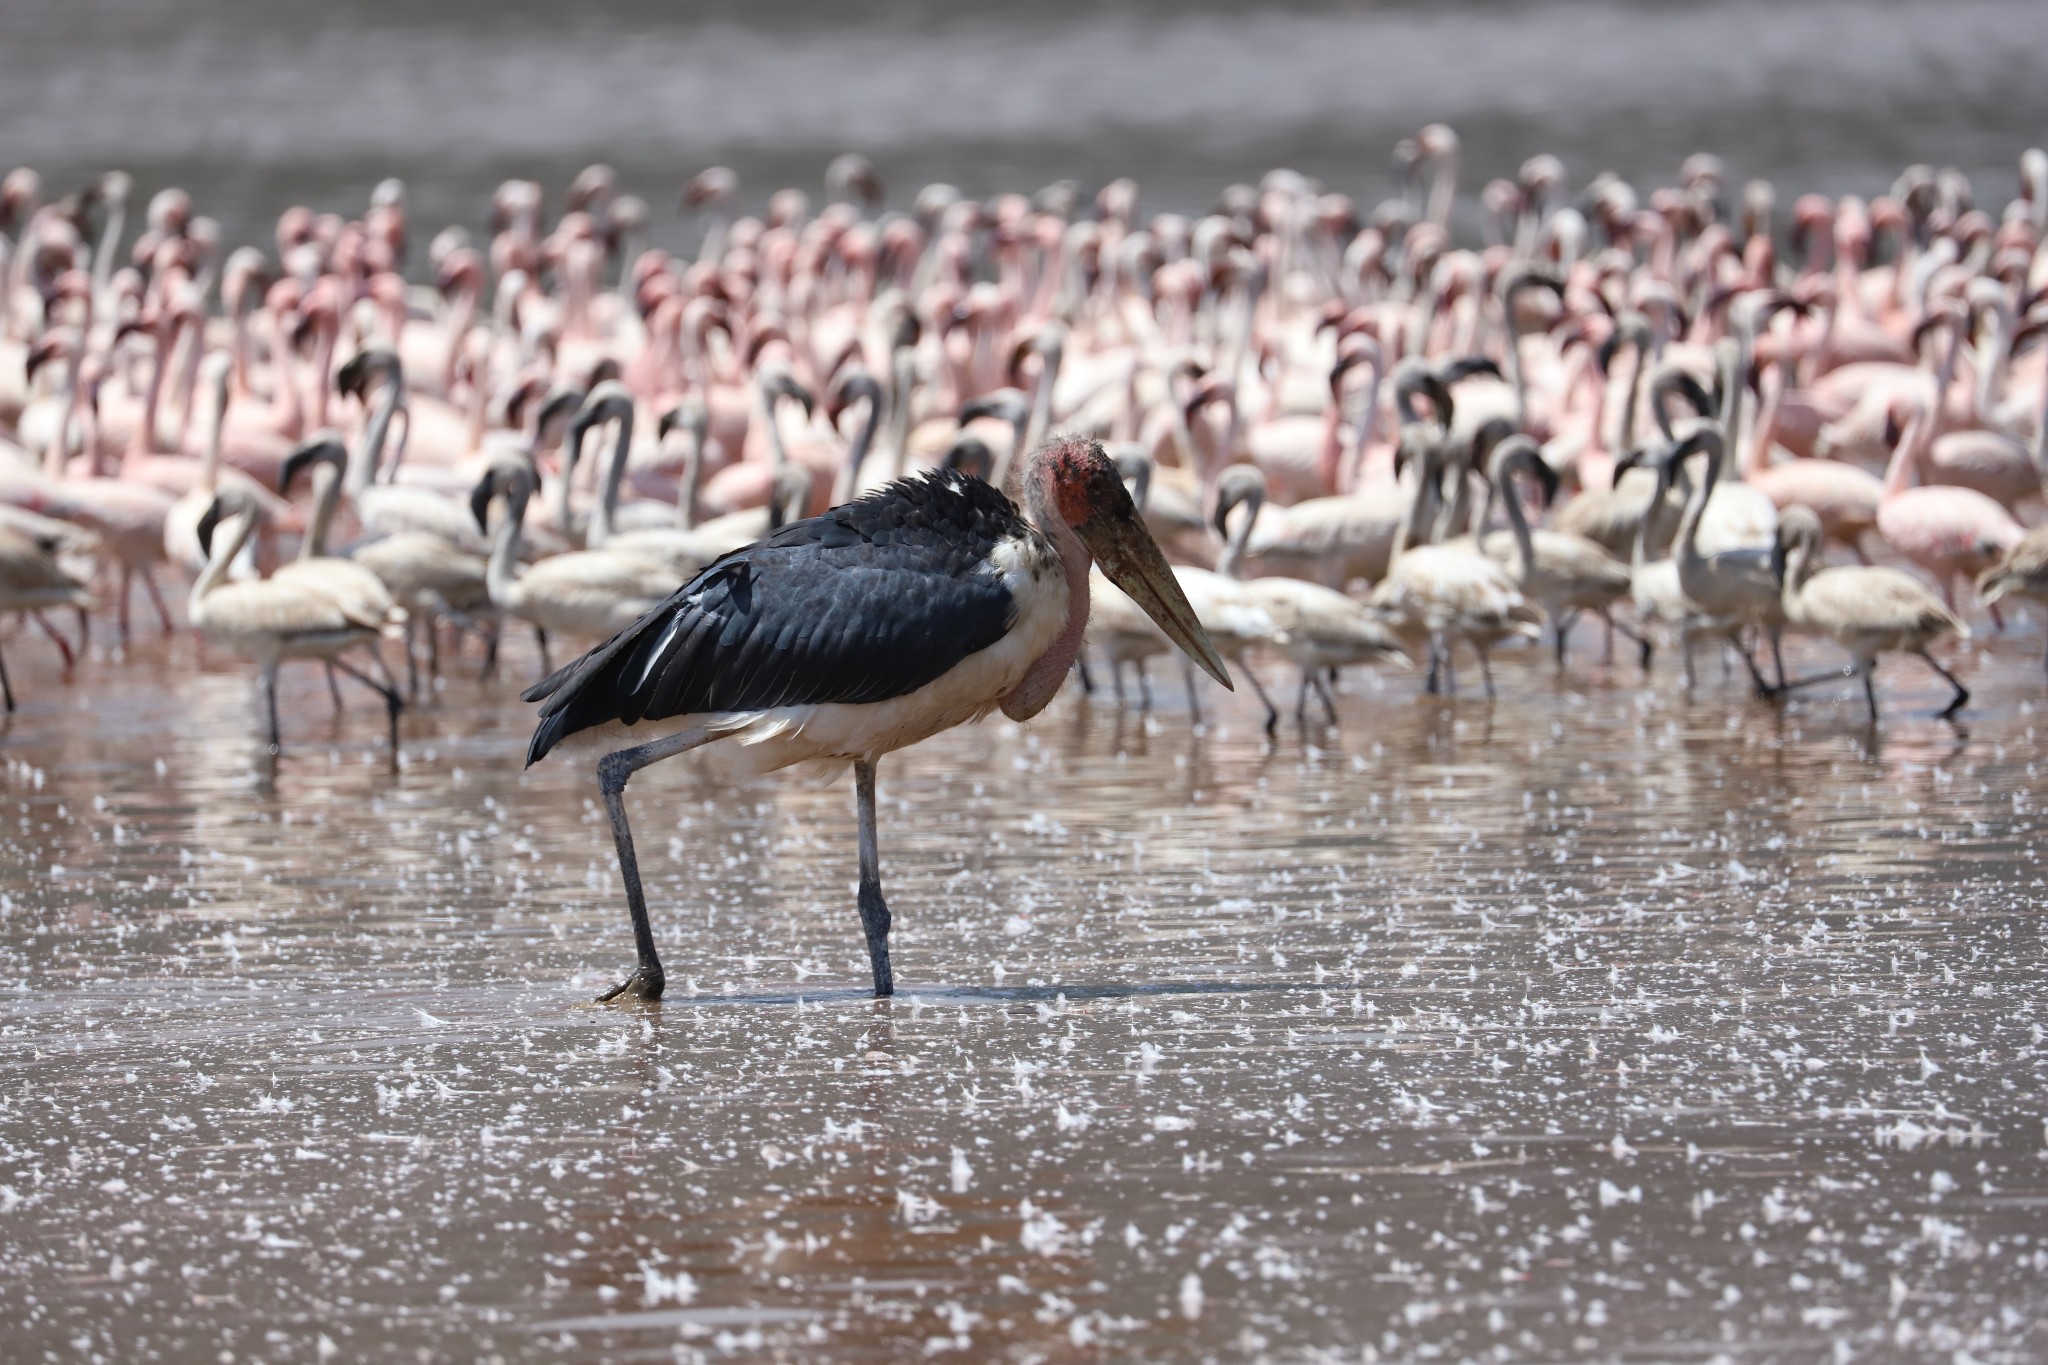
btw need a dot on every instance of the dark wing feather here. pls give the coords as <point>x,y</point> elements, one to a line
<point>872,600</point>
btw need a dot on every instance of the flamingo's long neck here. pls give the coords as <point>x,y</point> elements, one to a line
<point>1353,473</point>
<point>693,477</point>
<point>110,241</point>
<point>1639,551</point>
<point>1330,446</point>
<point>1231,564</point>
<point>902,385</point>
<point>152,399</point>
<point>209,466</point>
<point>1416,527</point>
<point>1800,565</point>
<point>1756,456</point>
<point>501,572</point>
<point>602,524</point>
<point>857,454</point>
<point>362,470</point>
<point>286,412</point>
<point>194,328</point>
<point>460,318</point>
<point>326,497</point>
<point>217,563</point>
<point>1042,680</point>
<point>323,367</point>
<point>1898,475</point>
<point>1502,486</point>
<point>1689,528</point>
<point>1513,355</point>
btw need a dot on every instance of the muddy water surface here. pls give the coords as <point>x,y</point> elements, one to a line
<point>1597,1024</point>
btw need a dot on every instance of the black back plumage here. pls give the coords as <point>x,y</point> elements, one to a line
<point>875,599</point>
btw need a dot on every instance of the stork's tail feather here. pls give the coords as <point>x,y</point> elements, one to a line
<point>570,702</point>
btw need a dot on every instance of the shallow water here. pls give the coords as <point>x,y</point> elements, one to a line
<point>1596,1024</point>
<point>256,104</point>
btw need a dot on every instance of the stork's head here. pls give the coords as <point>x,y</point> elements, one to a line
<point>1072,482</point>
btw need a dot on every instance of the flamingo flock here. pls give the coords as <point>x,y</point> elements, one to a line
<point>1375,437</point>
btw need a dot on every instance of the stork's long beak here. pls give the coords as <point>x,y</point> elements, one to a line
<point>1131,559</point>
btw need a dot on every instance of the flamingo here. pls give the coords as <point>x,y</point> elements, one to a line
<point>1949,532</point>
<point>1318,629</point>
<point>270,621</point>
<point>1865,609</point>
<point>31,578</point>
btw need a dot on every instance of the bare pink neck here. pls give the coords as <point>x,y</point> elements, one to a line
<point>1044,677</point>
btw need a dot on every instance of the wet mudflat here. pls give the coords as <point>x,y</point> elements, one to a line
<point>1597,1024</point>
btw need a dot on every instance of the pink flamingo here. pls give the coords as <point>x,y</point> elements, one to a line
<point>1301,455</point>
<point>129,517</point>
<point>1844,497</point>
<point>1946,531</point>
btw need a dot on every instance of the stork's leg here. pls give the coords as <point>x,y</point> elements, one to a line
<point>1301,699</point>
<point>1962,696</point>
<point>613,772</point>
<point>1429,681</point>
<point>874,912</point>
<point>334,687</point>
<point>1258,689</point>
<point>127,582</point>
<point>392,702</point>
<point>1869,672</point>
<point>412,658</point>
<point>1144,686</point>
<point>6,687</point>
<point>540,637</point>
<point>1187,673</point>
<point>1485,667</point>
<point>1087,682</point>
<point>1997,618</point>
<point>490,665</point>
<point>1777,638</point>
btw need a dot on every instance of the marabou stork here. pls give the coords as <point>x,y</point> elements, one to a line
<point>921,606</point>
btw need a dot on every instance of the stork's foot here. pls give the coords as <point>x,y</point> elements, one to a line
<point>646,983</point>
